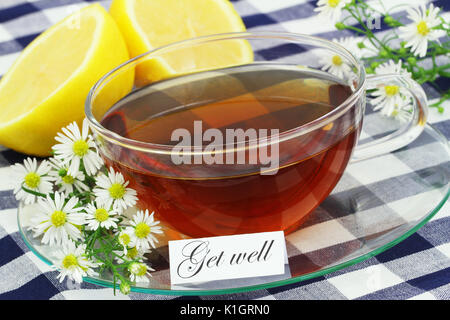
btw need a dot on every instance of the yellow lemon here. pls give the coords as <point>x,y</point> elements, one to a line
<point>46,87</point>
<point>149,24</point>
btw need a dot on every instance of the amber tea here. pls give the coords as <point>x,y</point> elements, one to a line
<point>222,198</point>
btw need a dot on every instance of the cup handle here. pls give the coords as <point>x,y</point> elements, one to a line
<point>407,133</point>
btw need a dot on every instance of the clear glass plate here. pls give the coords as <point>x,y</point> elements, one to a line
<point>377,203</point>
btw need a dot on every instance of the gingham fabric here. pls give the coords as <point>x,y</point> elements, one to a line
<point>416,268</point>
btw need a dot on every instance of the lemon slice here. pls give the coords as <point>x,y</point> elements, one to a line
<point>46,87</point>
<point>149,24</point>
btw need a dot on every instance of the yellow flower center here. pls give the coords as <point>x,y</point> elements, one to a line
<point>422,28</point>
<point>101,215</point>
<point>69,261</point>
<point>142,270</point>
<point>117,191</point>
<point>58,218</point>
<point>337,60</point>
<point>138,269</point>
<point>80,148</point>
<point>68,179</point>
<point>333,3</point>
<point>391,90</point>
<point>32,180</point>
<point>142,230</point>
<point>132,253</point>
<point>124,239</point>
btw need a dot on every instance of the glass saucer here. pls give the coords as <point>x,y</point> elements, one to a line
<point>377,203</point>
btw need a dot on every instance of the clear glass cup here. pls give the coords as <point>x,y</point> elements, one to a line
<point>208,199</point>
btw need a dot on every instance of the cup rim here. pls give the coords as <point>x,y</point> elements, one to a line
<point>283,136</point>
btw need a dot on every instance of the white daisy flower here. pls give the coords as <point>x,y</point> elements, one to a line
<point>69,178</point>
<point>73,263</point>
<point>391,67</point>
<point>335,64</point>
<point>421,30</point>
<point>139,272</point>
<point>390,99</point>
<point>144,226</point>
<point>112,191</point>
<point>76,146</point>
<point>403,112</point>
<point>32,177</point>
<point>352,44</point>
<point>131,254</point>
<point>331,9</point>
<point>100,216</point>
<point>126,239</point>
<point>57,221</point>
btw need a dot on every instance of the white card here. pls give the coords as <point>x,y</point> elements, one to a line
<point>227,257</point>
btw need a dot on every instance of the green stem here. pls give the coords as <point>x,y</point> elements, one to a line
<point>38,194</point>
<point>355,29</point>
<point>370,36</point>
<point>437,104</point>
<point>105,255</point>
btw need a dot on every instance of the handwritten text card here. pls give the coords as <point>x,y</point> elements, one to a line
<point>227,257</point>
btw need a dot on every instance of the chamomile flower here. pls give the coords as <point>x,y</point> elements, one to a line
<point>32,177</point>
<point>58,221</point>
<point>139,272</point>
<point>391,99</point>
<point>391,67</point>
<point>403,112</point>
<point>73,263</point>
<point>112,191</point>
<point>68,178</point>
<point>76,146</point>
<point>335,64</point>
<point>358,46</point>
<point>100,216</point>
<point>144,225</point>
<point>331,9</point>
<point>421,30</point>
<point>349,43</point>
<point>131,254</point>
<point>125,238</point>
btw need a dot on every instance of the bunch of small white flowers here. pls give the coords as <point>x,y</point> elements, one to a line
<point>80,212</point>
<point>418,47</point>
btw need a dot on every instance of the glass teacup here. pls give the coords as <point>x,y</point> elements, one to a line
<point>252,144</point>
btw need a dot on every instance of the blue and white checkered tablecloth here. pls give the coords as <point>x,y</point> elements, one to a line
<point>417,268</point>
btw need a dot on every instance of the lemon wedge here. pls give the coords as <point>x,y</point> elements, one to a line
<point>46,87</point>
<point>149,24</point>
